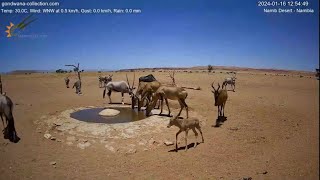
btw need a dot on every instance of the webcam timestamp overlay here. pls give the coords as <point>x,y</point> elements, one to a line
<point>285,7</point>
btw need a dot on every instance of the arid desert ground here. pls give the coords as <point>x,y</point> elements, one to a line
<point>272,131</point>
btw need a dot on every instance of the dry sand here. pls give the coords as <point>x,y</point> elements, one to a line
<point>272,132</point>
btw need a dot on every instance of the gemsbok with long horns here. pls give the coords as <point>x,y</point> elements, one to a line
<point>119,86</point>
<point>231,81</point>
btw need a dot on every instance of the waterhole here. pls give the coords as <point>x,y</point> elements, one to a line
<point>92,115</point>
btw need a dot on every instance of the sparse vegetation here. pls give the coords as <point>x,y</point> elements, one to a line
<point>61,71</point>
<point>210,68</point>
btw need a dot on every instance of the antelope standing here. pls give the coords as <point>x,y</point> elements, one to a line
<point>231,81</point>
<point>185,125</point>
<point>119,86</point>
<point>77,85</point>
<point>104,80</point>
<point>67,81</point>
<point>220,99</point>
<point>169,92</point>
<point>145,91</point>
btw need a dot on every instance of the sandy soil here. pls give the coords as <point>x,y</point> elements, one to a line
<point>272,131</point>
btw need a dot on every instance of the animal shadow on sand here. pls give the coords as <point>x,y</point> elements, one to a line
<point>219,121</point>
<point>190,146</point>
<point>11,135</point>
<point>166,115</point>
<point>120,103</point>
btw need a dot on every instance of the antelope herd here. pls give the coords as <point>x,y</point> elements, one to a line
<point>148,93</point>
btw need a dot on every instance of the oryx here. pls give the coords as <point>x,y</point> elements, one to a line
<point>231,81</point>
<point>119,86</point>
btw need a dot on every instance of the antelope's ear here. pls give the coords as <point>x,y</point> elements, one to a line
<point>212,91</point>
<point>134,88</point>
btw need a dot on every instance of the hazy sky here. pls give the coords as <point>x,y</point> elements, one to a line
<point>165,33</point>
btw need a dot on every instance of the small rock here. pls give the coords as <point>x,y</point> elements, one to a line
<point>152,141</point>
<point>131,151</point>
<point>59,140</point>
<point>265,172</point>
<point>84,140</point>
<point>83,145</point>
<point>109,112</point>
<point>53,163</point>
<point>57,123</point>
<point>168,143</point>
<point>53,138</point>
<point>47,136</point>
<point>234,128</point>
<point>110,148</point>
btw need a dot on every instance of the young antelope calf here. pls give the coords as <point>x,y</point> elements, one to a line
<point>186,125</point>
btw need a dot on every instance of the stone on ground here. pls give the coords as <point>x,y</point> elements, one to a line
<point>109,112</point>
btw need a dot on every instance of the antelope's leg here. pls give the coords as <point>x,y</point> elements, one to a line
<point>181,107</point>
<point>199,128</point>
<point>109,95</point>
<point>2,121</point>
<point>167,106</point>
<point>161,102</point>
<point>160,99</point>
<point>196,134</point>
<point>223,105</point>
<point>186,148</point>
<point>122,94</point>
<point>177,139</point>
<point>186,106</point>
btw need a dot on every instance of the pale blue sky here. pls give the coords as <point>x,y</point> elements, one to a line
<point>166,33</point>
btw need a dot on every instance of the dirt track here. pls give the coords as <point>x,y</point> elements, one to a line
<point>272,132</point>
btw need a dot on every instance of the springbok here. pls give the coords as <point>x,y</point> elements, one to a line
<point>6,107</point>
<point>119,86</point>
<point>220,99</point>
<point>172,93</point>
<point>231,81</point>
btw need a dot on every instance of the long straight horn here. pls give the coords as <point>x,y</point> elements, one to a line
<point>134,77</point>
<point>128,80</point>
<point>213,86</point>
